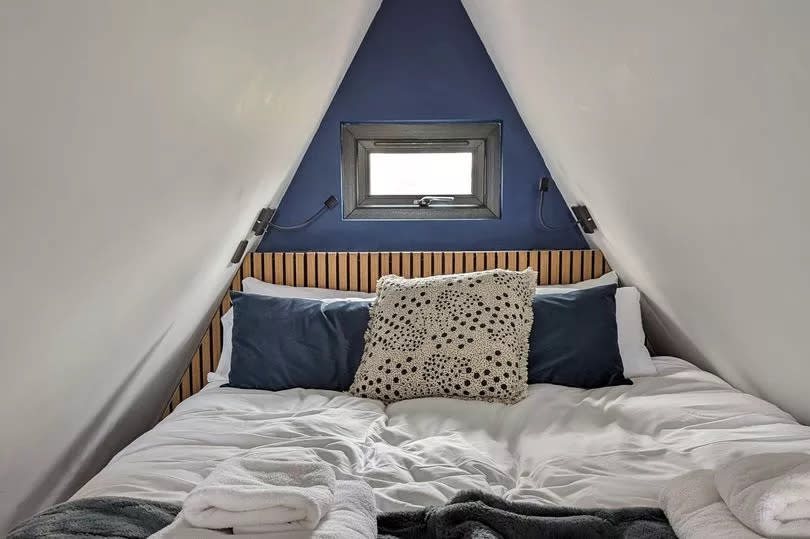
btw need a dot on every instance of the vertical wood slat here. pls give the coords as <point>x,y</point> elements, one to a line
<point>278,268</point>
<point>405,265</point>
<point>523,260</point>
<point>226,302</point>
<point>216,340</point>
<point>175,398</point>
<point>353,263</point>
<point>375,272</point>
<point>247,267</point>
<point>554,267</point>
<point>196,376</point>
<point>385,265</point>
<point>289,269</point>
<point>320,261</point>
<point>236,283</point>
<point>255,266</point>
<point>447,265</point>
<point>267,267</point>
<point>205,356</point>
<point>534,263</point>
<point>332,271</point>
<point>360,271</point>
<point>480,262</point>
<point>587,265</point>
<point>598,264</point>
<point>427,265</point>
<point>544,263</point>
<point>490,261</point>
<point>365,277</point>
<point>258,266</point>
<point>565,268</point>
<point>469,262</point>
<point>576,266</point>
<point>438,263</point>
<point>185,383</point>
<point>300,270</point>
<point>512,260</point>
<point>311,271</point>
<point>458,262</point>
<point>342,270</point>
<point>416,264</point>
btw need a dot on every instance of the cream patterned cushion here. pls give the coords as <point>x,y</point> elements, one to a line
<point>464,335</point>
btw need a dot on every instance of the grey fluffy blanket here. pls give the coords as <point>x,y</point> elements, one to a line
<point>478,515</point>
<point>108,516</point>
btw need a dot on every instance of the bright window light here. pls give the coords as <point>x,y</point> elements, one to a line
<point>420,173</point>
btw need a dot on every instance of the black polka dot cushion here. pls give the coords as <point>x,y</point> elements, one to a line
<point>464,336</point>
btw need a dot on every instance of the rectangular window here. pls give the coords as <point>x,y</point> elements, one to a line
<point>421,171</point>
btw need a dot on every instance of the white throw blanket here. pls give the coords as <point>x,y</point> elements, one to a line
<point>769,493</point>
<point>353,515</point>
<point>696,510</point>
<point>262,492</point>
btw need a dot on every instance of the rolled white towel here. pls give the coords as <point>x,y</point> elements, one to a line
<point>769,493</point>
<point>695,509</point>
<point>353,515</point>
<point>257,491</point>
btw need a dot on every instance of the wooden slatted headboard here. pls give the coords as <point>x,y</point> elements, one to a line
<point>360,271</point>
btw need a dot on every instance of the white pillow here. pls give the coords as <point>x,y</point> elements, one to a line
<point>252,285</point>
<point>636,358</point>
<point>255,286</point>
<point>606,279</point>
<point>224,365</point>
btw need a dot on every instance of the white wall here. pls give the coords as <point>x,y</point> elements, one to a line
<point>685,128</point>
<point>138,140</point>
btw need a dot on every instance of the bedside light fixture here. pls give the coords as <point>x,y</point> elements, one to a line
<point>265,220</point>
<point>582,216</point>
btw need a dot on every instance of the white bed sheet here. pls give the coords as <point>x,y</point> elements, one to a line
<point>607,447</point>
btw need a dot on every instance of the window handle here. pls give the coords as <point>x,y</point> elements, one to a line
<point>425,202</point>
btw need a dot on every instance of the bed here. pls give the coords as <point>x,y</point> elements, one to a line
<point>607,447</point>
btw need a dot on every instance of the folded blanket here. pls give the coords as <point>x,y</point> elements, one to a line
<point>696,510</point>
<point>107,516</point>
<point>479,515</point>
<point>261,492</point>
<point>769,493</point>
<point>353,515</point>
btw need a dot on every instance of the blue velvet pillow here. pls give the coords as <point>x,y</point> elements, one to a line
<point>574,341</point>
<point>281,343</point>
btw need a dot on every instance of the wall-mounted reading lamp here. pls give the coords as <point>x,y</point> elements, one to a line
<point>265,220</point>
<point>582,216</point>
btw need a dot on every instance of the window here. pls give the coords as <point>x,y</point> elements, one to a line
<point>421,171</point>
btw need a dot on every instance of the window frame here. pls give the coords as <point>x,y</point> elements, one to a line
<point>358,140</point>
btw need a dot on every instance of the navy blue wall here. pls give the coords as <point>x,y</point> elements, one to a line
<point>421,60</point>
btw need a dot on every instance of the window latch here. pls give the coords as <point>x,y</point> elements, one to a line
<point>425,202</point>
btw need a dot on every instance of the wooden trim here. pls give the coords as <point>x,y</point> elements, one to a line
<point>360,272</point>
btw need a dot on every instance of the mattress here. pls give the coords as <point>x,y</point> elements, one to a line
<point>606,447</point>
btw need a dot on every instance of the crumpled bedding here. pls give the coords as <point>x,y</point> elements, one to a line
<point>610,447</point>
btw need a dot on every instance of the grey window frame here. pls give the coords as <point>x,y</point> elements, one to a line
<point>358,140</point>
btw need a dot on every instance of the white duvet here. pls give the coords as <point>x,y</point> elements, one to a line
<point>607,447</point>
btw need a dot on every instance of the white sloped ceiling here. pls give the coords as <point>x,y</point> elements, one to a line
<point>685,128</point>
<point>138,140</point>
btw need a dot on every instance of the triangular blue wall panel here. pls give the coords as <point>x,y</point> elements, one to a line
<point>422,60</point>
